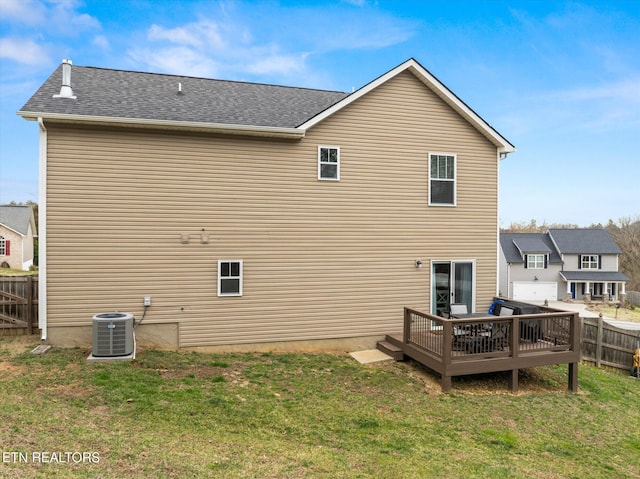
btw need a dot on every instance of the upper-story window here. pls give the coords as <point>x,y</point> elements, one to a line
<point>536,261</point>
<point>4,246</point>
<point>589,261</point>
<point>442,179</point>
<point>329,163</point>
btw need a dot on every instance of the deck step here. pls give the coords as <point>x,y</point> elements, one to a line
<point>394,351</point>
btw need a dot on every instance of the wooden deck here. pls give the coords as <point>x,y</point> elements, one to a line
<point>456,347</point>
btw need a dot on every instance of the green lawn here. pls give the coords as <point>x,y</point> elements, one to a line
<point>631,313</point>
<point>16,272</point>
<point>181,414</point>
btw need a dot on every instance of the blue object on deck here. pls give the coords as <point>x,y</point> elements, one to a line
<point>493,305</point>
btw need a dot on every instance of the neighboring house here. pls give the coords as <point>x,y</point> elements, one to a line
<point>577,264</point>
<point>17,229</point>
<point>254,213</point>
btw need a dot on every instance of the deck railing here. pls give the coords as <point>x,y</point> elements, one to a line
<point>492,343</point>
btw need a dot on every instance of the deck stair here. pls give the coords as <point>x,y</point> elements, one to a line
<point>391,345</point>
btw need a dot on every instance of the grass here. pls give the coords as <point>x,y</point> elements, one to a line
<point>631,313</point>
<point>16,272</point>
<point>182,414</point>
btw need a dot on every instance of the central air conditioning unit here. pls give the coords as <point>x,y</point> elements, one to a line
<point>113,336</point>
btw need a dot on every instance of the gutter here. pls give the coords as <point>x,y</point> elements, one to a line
<point>250,130</point>
<point>42,231</point>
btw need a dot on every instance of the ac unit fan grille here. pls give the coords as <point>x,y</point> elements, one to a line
<point>113,334</point>
<point>111,339</point>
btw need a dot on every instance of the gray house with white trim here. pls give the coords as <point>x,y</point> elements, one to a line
<point>579,264</point>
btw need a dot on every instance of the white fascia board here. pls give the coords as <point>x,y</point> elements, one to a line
<point>229,129</point>
<point>437,87</point>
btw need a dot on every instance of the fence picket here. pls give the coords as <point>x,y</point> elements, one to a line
<point>18,305</point>
<point>604,344</point>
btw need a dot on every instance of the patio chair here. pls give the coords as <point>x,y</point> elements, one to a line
<point>495,339</point>
<point>458,308</point>
<point>499,335</point>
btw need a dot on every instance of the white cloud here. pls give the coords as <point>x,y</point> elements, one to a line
<point>626,91</point>
<point>610,106</point>
<point>61,16</point>
<point>278,64</point>
<point>180,35</point>
<point>23,51</point>
<point>101,42</point>
<point>233,40</point>
<point>179,60</point>
<point>27,12</point>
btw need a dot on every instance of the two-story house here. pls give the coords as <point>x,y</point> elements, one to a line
<point>579,264</point>
<point>260,214</point>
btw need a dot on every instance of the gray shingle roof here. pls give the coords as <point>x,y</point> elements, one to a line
<point>16,218</point>
<point>584,241</point>
<point>514,245</point>
<point>593,276</point>
<point>109,93</point>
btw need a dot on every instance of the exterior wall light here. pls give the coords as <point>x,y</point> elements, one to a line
<point>418,263</point>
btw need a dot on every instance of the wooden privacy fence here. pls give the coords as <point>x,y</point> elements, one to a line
<point>633,297</point>
<point>18,305</point>
<point>606,345</point>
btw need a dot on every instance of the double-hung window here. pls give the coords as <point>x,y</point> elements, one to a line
<point>229,277</point>
<point>442,179</point>
<point>589,261</point>
<point>329,163</point>
<point>536,261</point>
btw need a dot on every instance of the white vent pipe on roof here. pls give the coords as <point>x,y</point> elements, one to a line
<point>65,89</point>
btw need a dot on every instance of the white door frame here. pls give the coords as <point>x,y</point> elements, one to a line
<point>452,281</point>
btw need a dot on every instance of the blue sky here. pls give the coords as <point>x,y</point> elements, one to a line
<point>559,79</point>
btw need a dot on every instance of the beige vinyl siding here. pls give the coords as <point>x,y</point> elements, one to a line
<point>321,259</point>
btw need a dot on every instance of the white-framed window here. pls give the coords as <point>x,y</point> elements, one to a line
<point>230,277</point>
<point>329,163</point>
<point>589,261</point>
<point>3,246</point>
<point>442,179</point>
<point>536,261</point>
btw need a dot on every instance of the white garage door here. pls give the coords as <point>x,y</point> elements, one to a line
<point>535,290</point>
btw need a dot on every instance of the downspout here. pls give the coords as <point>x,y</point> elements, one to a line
<point>501,156</point>
<point>42,231</point>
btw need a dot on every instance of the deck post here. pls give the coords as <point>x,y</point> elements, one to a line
<point>513,380</point>
<point>576,346</point>
<point>447,334</point>
<point>406,333</point>
<point>446,383</point>
<point>514,340</point>
<point>573,377</point>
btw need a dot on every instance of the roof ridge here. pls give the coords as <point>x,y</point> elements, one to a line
<point>246,82</point>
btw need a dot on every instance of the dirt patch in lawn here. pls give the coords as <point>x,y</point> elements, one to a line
<point>14,345</point>
<point>530,381</point>
<point>8,370</point>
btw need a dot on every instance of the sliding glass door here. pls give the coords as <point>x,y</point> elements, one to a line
<point>451,282</point>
